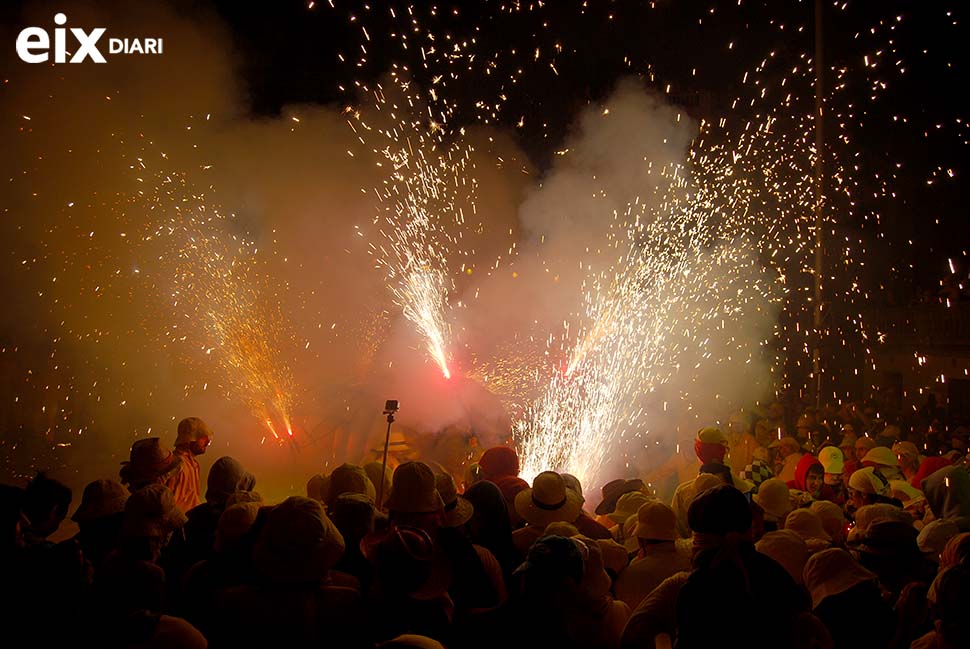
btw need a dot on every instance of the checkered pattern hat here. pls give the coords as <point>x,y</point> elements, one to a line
<point>757,472</point>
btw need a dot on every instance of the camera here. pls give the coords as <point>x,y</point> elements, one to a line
<point>390,407</point>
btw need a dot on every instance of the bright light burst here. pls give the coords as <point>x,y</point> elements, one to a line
<point>217,295</point>
<point>422,217</point>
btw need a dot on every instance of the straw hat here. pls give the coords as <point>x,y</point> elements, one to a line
<point>457,509</point>
<point>234,522</point>
<point>628,505</point>
<point>773,497</point>
<point>612,491</point>
<point>100,498</point>
<point>832,459</point>
<point>656,522</point>
<point>413,490</point>
<point>806,524</point>
<point>788,549</point>
<point>882,456</point>
<point>151,511</point>
<point>149,460</point>
<point>299,543</point>
<point>192,429</point>
<point>547,501</point>
<point>831,572</point>
<point>349,478</point>
<point>906,449</point>
<point>572,482</point>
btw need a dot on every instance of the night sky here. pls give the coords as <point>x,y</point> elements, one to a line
<point>287,55</point>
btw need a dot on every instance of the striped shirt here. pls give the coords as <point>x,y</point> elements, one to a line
<point>184,483</point>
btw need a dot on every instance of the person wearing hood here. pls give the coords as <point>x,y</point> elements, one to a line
<point>947,492</point>
<point>226,477</point>
<point>810,478</point>
<point>928,467</point>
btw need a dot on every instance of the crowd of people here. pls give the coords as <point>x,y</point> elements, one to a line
<point>816,535</point>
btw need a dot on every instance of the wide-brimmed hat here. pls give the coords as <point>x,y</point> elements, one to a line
<point>788,549</point>
<point>354,515</point>
<point>628,505</point>
<point>100,498</point>
<point>299,543</point>
<point>806,524</point>
<point>457,509</point>
<point>612,491</point>
<point>572,482</point>
<point>413,490</point>
<point>934,536</point>
<point>656,522</point>
<point>833,520</point>
<point>548,500</point>
<point>149,460</point>
<point>832,459</point>
<point>349,478</point>
<point>848,440</point>
<point>906,449</point>
<point>192,429</point>
<point>889,539</point>
<point>882,456</point>
<point>788,444</point>
<point>774,498</point>
<point>151,511</point>
<point>406,561</point>
<point>831,572</point>
<point>615,556</point>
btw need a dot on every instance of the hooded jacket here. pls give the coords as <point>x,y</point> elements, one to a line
<point>806,462</point>
<point>948,493</point>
